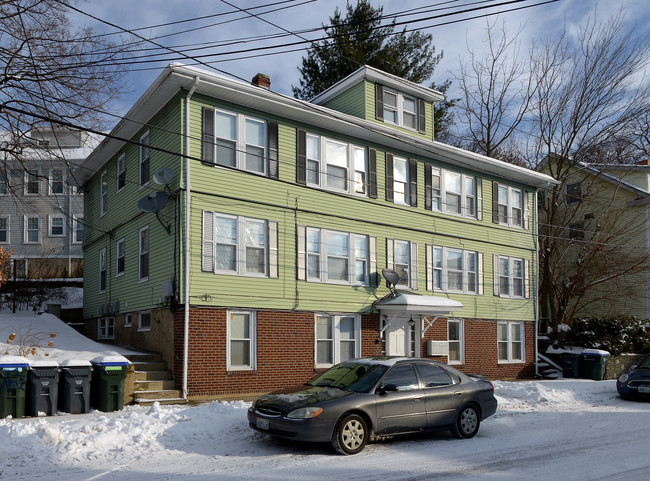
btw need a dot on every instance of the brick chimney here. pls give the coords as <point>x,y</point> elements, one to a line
<point>262,80</point>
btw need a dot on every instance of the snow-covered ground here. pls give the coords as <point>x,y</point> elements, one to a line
<point>564,429</point>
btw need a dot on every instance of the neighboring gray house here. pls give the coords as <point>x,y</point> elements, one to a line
<point>41,210</point>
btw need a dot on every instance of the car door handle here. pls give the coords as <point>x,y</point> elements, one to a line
<point>418,398</point>
<point>458,393</point>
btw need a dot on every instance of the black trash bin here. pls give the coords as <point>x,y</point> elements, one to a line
<point>43,388</point>
<point>108,383</point>
<point>570,365</point>
<point>593,363</point>
<point>13,386</point>
<point>75,386</point>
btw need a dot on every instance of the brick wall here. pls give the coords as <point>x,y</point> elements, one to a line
<point>285,351</point>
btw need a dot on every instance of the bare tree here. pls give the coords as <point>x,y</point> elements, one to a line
<point>51,73</point>
<point>496,91</point>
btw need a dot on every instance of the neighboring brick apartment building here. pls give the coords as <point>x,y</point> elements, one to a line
<point>41,209</point>
<point>243,234</point>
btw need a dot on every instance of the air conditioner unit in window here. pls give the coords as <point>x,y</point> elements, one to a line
<point>437,348</point>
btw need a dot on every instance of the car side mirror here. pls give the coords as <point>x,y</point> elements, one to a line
<point>388,388</point>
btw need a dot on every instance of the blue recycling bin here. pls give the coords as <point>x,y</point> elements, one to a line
<point>13,386</point>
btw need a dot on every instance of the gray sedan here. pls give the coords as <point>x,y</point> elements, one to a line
<point>367,399</point>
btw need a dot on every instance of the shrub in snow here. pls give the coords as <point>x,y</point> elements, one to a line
<point>614,334</point>
<point>28,341</point>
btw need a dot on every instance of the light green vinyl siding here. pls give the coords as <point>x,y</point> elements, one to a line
<point>351,101</point>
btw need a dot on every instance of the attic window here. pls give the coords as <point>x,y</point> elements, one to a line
<point>398,108</point>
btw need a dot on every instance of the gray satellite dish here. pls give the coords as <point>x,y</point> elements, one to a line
<point>392,277</point>
<point>153,202</point>
<point>163,176</point>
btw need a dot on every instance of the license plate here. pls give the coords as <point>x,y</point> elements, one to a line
<point>262,423</point>
<point>644,389</point>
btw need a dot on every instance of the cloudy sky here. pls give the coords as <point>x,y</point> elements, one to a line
<point>240,44</point>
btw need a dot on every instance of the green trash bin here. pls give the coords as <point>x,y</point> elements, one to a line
<point>108,383</point>
<point>593,363</point>
<point>43,388</point>
<point>13,384</point>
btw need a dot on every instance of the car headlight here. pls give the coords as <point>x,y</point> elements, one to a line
<point>305,413</point>
<point>623,378</point>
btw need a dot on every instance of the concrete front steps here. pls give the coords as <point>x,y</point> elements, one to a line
<point>153,381</point>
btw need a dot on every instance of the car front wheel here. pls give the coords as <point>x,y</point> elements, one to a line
<point>467,423</point>
<point>350,435</point>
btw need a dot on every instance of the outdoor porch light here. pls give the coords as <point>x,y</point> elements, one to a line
<point>411,322</point>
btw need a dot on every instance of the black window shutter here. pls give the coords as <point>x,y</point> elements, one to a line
<point>413,182</point>
<point>208,135</point>
<point>379,102</point>
<point>389,177</point>
<point>495,202</point>
<point>428,191</point>
<point>422,116</point>
<point>273,150</point>
<point>372,173</point>
<point>301,161</point>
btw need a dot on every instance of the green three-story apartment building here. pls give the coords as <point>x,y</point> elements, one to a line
<point>243,234</point>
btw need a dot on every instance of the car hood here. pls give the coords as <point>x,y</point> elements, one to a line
<point>640,373</point>
<point>300,396</point>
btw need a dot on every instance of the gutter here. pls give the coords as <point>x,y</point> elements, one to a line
<point>186,327</point>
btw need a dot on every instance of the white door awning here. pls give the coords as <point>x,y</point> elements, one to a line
<point>407,302</point>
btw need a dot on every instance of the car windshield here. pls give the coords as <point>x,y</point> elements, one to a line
<point>645,364</point>
<point>351,376</point>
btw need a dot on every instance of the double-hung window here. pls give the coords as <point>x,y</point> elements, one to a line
<point>338,339</point>
<point>401,180</point>
<point>400,109</point>
<point>56,182</point>
<point>510,277</point>
<point>32,183</point>
<point>143,253</point>
<point>454,270</point>
<point>456,339</point>
<point>402,257</point>
<point>78,229</point>
<point>334,257</point>
<point>452,192</point>
<point>509,205</point>
<point>102,270</point>
<point>242,340</point>
<point>144,321</point>
<point>57,226</point>
<point>510,341</point>
<point>235,140</point>
<point>145,160</point>
<point>106,328</point>
<point>573,193</point>
<point>119,256</point>
<point>5,229</point>
<point>32,234</point>
<point>239,245</point>
<point>336,165</point>
<point>121,172</point>
<point>103,194</point>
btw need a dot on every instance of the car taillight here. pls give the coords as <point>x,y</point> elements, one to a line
<point>491,386</point>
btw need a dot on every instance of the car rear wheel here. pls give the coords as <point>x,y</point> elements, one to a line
<point>350,435</point>
<point>467,423</point>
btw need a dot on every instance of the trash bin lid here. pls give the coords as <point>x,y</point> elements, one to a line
<point>75,363</point>
<point>110,361</point>
<point>44,363</point>
<point>14,361</point>
<point>595,352</point>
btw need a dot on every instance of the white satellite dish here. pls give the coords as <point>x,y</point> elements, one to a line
<point>153,202</point>
<point>163,176</point>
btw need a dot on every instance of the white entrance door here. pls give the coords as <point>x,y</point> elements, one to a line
<point>401,340</point>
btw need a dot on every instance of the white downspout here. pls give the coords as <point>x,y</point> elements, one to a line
<point>186,331</point>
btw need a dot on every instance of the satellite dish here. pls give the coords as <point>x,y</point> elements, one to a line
<point>153,202</point>
<point>392,277</point>
<point>163,176</point>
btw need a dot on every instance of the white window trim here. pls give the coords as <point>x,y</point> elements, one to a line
<point>407,182</point>
<point>121,158</point>
<point>336,337</point>
<point>38,180</point>
<point>140,253</point>
<point>141,159</point>
<point>252,329</point>
<point>509,207</point>
<point>412,275</point>
<point>144,329</point>
<point>75,221</point>
<point>522,333</point>
<point>103,194</point>
<point>117,257</point>
<point>442,173</point>
<point>444,270</point>
<point>50,182</point>
<point>103,324</point>
<point>240,142</point>
<point>8,217</point>
<point>461,341</point>
<point>50,223</point>
<point>26,232</point>
<point>128,320</point>
<point>102,252</point>
<point>351,166</point>
<point>497,277</point>
<point>324,255</point>
<point>400,96</point>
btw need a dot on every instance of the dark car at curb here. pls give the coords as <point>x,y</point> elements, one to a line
<point>368,399</point>
<point>636,382</point>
